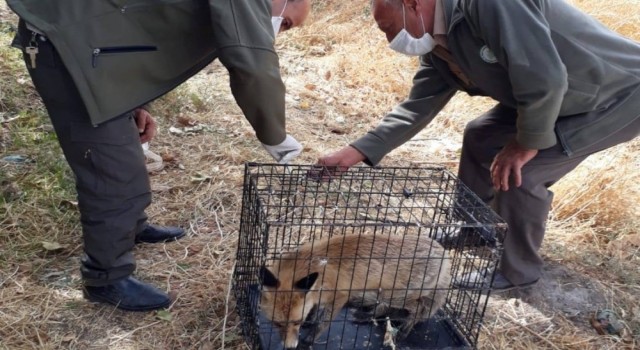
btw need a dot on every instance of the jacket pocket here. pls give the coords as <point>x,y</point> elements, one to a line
<point>581,97</point>
<point>115,50</point>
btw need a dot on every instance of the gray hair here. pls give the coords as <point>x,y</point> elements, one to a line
<point>396,3</point>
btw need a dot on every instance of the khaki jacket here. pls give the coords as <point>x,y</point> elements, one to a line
<point>566,74</point>
<point>124,53</point>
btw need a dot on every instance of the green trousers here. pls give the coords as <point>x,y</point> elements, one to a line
<point>108,163</point>
<point>525,209</point>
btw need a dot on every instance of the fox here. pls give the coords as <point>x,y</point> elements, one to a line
<point>380,274</point>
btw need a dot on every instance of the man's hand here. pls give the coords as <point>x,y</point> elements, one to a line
<point>508,163</point>
<point>284,152</point>
<point>146,125</point>
<point>341,160</point>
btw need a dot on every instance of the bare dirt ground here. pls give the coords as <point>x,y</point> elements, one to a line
<point>341,79</point>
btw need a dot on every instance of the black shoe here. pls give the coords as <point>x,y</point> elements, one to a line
<point>129,294</point>
<point>158,234</point>
<point>477,280</point>
<point>502,284</point>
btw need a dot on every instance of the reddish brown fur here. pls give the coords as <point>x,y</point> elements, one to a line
<point>362,270</point>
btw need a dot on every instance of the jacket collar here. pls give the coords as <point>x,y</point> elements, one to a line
<point>452,12</point>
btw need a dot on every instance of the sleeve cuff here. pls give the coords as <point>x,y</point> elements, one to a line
<point>537,140</point>
<point>372,147</point>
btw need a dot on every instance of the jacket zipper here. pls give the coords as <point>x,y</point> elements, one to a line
<point>119,49</point>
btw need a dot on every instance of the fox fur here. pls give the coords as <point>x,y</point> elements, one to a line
<point>389,274</point>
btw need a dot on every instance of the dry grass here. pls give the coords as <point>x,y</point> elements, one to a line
<point>341,79</point>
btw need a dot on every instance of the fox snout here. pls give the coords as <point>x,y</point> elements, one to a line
<point>290,336</point>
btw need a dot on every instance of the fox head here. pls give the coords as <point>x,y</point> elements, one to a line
<point>286,302</point>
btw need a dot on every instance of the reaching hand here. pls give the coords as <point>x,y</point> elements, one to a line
<point>284,152</point>
<point>341,160</point>
<point>146,125</point>
<point>508,163</point>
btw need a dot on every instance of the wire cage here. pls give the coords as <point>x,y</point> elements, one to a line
<point>371,258</point>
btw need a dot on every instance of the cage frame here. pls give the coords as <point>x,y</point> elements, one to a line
<point>257,222</point>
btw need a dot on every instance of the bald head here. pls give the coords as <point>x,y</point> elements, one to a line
<point>391,16</point>
<point>295,12</point>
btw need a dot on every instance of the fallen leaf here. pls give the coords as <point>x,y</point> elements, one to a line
<point>68,338</point>
<point>164,315</point>
<point>167,157</point>
<point>338,131</point>
<point>160,188</point>
<point>196,128</point>
<point>184,121</point>
<point>192,250</point>
<point>17,159</point>
<point>52,246</point>
<point>200,178</point>
<point>304,105</point>
<point>68,204</point>
<point>310,87</point>
<point>176,131</point>
<point>606,322</point>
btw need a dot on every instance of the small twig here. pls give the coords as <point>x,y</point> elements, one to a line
<point>531,331</point>
<point>226,306</point>
<point>436,161</point>
<point>10,276</point>
<point>74,250</point>
<point>530,323</point>
<point>133,331</point>
<point>588,340</point>
<point>6,121</point>
<point>218,224</point>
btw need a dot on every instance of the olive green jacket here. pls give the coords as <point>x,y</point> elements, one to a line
<point>124,53</point>
<point>567,75</point>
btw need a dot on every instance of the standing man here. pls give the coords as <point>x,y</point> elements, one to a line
<point>94,62</point>
<point>566,87</point>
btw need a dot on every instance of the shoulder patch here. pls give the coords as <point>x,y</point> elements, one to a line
<point>487,55</point>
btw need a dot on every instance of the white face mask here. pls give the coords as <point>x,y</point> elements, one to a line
<point>405,43</point>
<point>276,22</point>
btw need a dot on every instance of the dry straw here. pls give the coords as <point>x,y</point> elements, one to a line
<point>341,79</point>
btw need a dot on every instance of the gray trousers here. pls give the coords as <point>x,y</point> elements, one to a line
<point>525,209</point>
<point>108,163</point>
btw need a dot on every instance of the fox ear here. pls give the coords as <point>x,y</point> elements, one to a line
<point>268,279</point>
<point>307,282</point>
